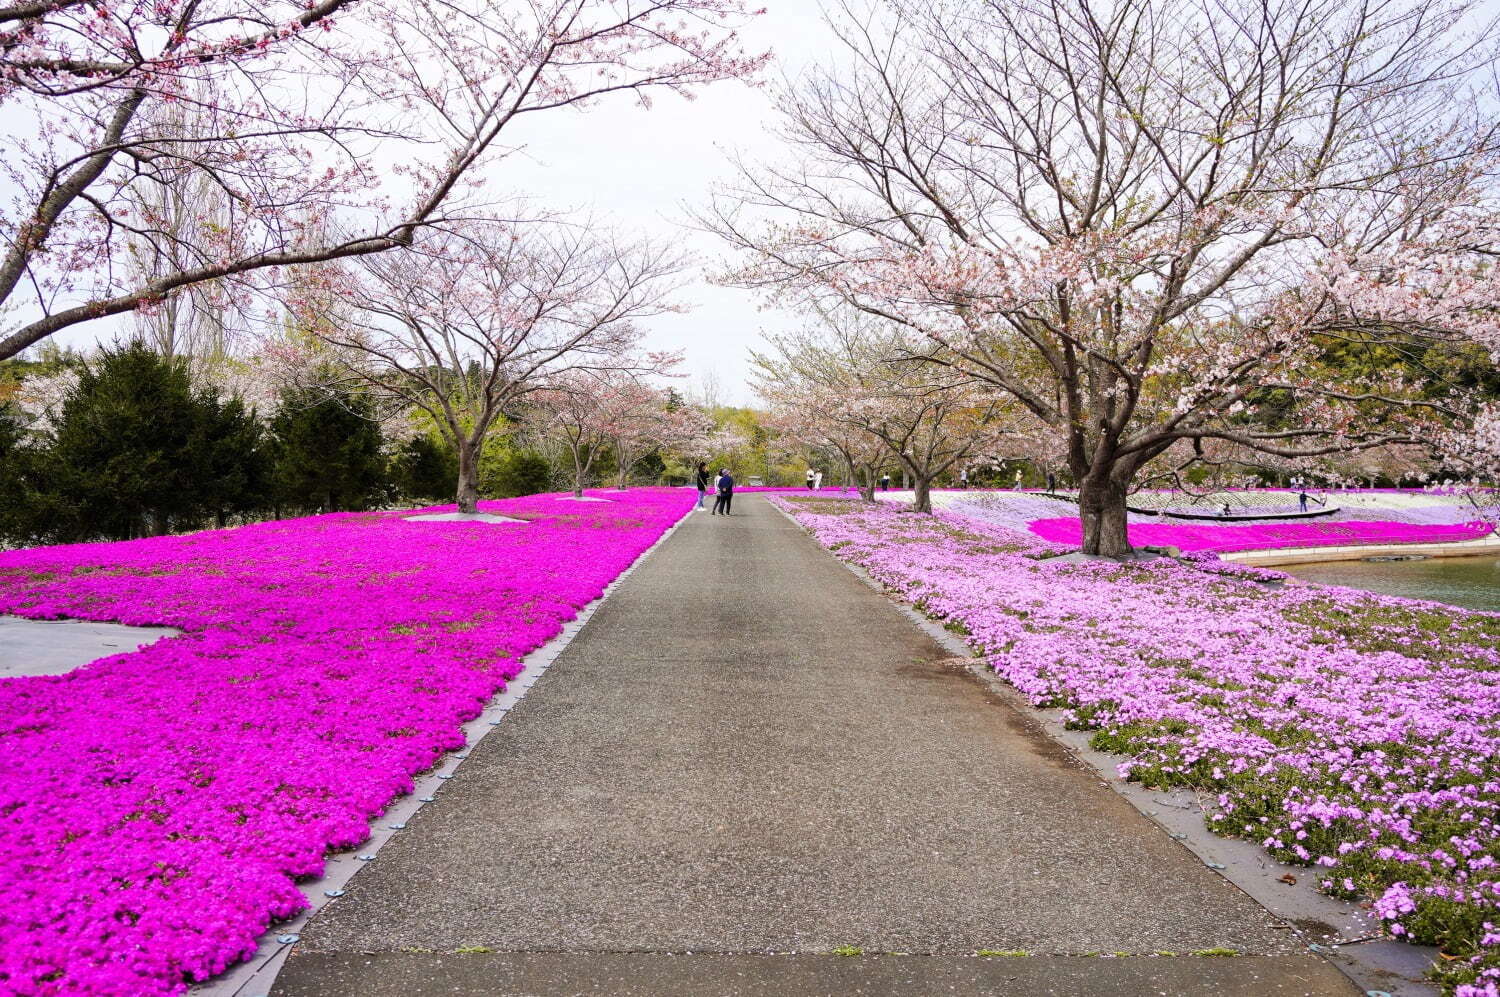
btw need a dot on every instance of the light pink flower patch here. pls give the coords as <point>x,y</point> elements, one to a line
<point>159,805</point>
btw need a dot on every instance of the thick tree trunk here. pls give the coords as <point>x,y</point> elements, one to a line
<point>624,465</point>
<point>577,475</point>
<point>922,495</point>
<point>1101,506</point>
<point>867,485</point>
<point>468,478</point>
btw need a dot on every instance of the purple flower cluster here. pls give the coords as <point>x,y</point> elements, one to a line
<point>158,806</point>
<point>1355,733</point>
<point>1269,536</point>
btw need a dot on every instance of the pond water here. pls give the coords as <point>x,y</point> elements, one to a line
<point>1473,582</point>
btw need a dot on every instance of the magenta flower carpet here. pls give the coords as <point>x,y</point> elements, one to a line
<point>1268,536</point>
<point>158,806</point>
<point>1354,733</point>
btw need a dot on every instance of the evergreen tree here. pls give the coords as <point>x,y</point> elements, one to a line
<point>326,447</point>
<point>14,456</point>
<point>424,470</point>
<point>230,454</point>
<point>138,451</point>
<point>516,472</point>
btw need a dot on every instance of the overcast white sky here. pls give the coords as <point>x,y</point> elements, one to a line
<point>639,168</point>
<point>640,171</point>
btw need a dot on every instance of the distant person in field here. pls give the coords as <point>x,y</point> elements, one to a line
<point>1051,482</point>
<point>1018,479</point>
<point>963,478</point>
<point>885,481</point>
<point>817,481</point>
<point>724,488</point>
<point>809,479</point>
<point>702,477</point>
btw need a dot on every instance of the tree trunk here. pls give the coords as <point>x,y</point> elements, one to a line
<point>1101,506</point>
<point>577,475</point>
<point>922,495</point>
<point>867,486</point>
<point>468,477</point>
<point>623,464</point>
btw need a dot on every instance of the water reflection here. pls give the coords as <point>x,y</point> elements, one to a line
<point>1473,582</point>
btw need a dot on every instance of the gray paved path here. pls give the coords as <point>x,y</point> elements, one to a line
<point>749,755</point>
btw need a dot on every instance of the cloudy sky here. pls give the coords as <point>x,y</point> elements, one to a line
<point>642,169</point>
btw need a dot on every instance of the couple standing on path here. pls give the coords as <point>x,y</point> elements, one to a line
<point>723,489</point>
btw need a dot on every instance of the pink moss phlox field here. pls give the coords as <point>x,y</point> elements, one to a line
<point>1351,732</point>
<point>158,805</point>
<point>1268,536</point>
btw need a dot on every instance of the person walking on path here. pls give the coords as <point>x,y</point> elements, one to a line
<point>809,479</point>
<point>963,478</point>
<point>885,481</point>
<point>1018,479</point>
<point>818,481</point>
<point>725,489</point>
<point>1302,500</point>
<point>702,477</point>
<point>1051,483</point>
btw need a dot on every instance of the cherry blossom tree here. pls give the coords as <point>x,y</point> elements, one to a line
<point>812,417</point>
<point>855,383</point>
<point>648,419</point>
<point>1146,222</point>
<point>327,128</point>
<point>688,433</point>
<point>638,421</point>
<point>582,412</point>
<point>469,321</point>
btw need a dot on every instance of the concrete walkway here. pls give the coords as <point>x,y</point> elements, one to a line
<point>747,760</point>
<point>55,647</point>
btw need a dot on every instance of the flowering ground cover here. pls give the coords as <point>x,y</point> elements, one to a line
<point>1268,536</point>
<point>158,806</point>
<point>1348,731</point>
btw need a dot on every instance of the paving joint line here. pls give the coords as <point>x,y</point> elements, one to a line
<point>256,976</point>
<point>1374,963</point>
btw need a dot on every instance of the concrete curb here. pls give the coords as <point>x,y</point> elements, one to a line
<point>1338,931</point>
<point>255,977</point>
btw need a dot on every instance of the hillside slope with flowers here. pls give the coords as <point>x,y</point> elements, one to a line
<point>159,806</point>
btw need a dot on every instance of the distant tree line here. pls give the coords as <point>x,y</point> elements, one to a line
<point>134,447</point>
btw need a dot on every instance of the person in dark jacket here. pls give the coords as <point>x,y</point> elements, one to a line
<point>702,482</point>
<point>725,487</point>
